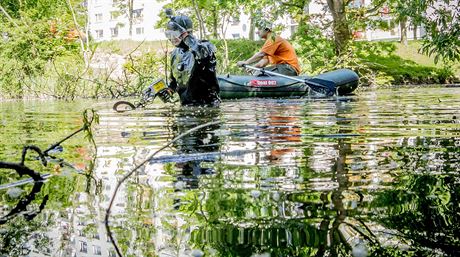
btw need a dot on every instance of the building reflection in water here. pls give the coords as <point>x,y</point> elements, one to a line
<point>304,183</point>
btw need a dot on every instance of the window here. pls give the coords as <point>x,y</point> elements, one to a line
<point>114,15</point>
<point>97,250</point>
<point>114,32</point>
<point>357,3</point>
<point>98,17</point>
<point>236,36</point>
<point>140,30</point>
<point>83,247</point>
<point>99,33</point>
<point>244,27</point>
<point>112,253</point>
<point>235,21</point>
<point>137,13</point>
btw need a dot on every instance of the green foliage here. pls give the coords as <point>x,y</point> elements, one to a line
<point>146,68</point>
<point>375,62</point>
<point>26,53</point>
<point>313,49</point>
<point>441,23</point>
<point>238,49</point>
<point>380,57</point>
<point>30,44</point>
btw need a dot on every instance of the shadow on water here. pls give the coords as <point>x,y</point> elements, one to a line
<point>204,144</point>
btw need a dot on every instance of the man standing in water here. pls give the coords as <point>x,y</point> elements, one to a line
<point>276,51</point>
<point>193,64</point>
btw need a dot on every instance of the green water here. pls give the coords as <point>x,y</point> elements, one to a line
<point>374,174</point>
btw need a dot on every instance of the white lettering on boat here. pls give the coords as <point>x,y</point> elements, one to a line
<point>262,83</point>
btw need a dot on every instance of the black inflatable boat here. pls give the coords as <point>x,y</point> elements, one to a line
<point>270,84</point>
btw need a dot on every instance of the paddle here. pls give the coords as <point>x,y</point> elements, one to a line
<point>328,90</point>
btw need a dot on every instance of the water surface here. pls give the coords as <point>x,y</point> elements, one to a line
<point>371,174</point>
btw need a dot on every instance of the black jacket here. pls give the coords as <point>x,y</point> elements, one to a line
<point>193,72</point>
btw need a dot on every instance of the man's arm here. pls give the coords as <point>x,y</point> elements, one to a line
<point>255,58</point>
<point>199,49</point>
<point>262,63</point>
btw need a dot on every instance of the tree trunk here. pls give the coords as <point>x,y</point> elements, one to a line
<point>415,30</point>
<point>215,22</point>
<point>200,19</point>
<point>80,37</point>
<point>305,12</point>
<point>342,33</point>
<point>251,28</point>
<point>403,29</point>
<point>130,17</point>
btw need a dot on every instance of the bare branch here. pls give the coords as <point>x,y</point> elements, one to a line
<point>8,16</point>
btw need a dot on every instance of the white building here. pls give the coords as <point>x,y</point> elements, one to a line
<point>107,22</point>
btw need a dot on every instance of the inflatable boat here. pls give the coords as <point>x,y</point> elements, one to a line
<point>268,84</point>
<point>271,84</point>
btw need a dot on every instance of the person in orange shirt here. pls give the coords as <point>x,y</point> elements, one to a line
<point>276,51</point>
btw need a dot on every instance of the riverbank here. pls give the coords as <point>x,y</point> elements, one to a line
<point>378,63</point>
<point>118,69</point>
<point>403,64</point>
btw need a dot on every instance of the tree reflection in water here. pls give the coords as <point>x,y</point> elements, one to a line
<point>411,214</point>
<point>19,227</point>
<point>424,206</point>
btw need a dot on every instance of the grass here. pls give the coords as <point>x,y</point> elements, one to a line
<point>396,63</point>
<point>410,52</point>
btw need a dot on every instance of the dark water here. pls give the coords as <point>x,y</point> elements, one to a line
<point>375,174</point>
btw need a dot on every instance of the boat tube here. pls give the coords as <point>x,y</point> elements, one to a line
<point>270,84</point>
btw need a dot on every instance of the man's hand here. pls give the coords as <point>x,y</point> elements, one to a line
<point>166,94</point>
<point>183,35</point>
<point>241,63</point>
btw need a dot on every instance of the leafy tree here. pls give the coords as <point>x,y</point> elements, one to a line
<point>442,22</point>
<point>126,8</point>
<point>34,34</point>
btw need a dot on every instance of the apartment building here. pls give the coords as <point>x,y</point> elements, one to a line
<point>108,21</point>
